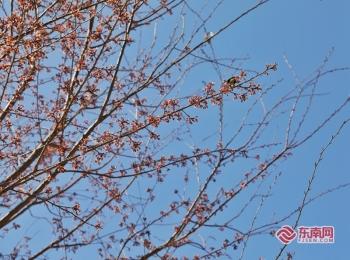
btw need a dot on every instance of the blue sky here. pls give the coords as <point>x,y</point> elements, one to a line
<point>304,32</point>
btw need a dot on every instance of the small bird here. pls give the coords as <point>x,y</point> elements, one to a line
<point>232,81</point>
<point>208,36</point>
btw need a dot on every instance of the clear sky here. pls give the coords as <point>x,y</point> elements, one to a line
<point>304,32</point>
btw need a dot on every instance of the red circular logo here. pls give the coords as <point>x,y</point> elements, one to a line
<point>286,234</point>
